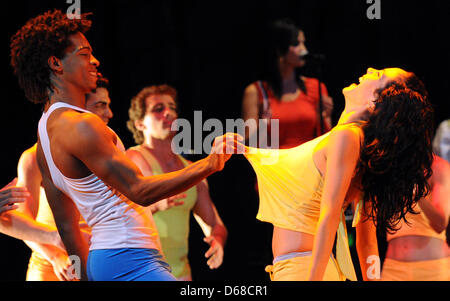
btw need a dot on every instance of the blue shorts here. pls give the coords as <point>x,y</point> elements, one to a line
<point>127,265</point>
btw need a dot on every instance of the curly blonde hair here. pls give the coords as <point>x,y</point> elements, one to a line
<point>138,107</point>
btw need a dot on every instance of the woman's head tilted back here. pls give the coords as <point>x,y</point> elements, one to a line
<point>396,155</point>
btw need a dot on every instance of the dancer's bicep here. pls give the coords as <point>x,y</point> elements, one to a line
<point>95,146</point>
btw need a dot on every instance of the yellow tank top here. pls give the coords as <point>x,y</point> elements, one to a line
<point>290,191</point>
<point>173,224</point>
<point>418,225</point>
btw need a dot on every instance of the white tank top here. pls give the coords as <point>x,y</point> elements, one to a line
<point>116,222</point>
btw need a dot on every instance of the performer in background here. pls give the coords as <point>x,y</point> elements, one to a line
<point>441,147</point>
<point>378,157</point>
<point>441,141</point>
<point>152,113</point>
<point>286,95</point>
<point>418,251</point>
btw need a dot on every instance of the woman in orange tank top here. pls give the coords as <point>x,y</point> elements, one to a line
<point>285,95</point>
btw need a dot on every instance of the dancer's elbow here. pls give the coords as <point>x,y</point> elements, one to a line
<point>142,195</point>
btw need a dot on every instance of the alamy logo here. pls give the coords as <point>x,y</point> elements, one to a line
<point>74,271</point>
<point>190,140</point>
<point>374,10</point>
<point>373,271</point>
<point>74,11</point>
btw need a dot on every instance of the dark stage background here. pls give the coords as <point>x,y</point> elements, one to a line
<point>210,51</point>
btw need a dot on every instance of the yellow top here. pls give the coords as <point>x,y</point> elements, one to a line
<point>418,224</point>
<point>290,191</point>
<point>173,224</point>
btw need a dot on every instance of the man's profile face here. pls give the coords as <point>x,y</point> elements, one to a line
<point>98,102</point>
<point>79,66</point>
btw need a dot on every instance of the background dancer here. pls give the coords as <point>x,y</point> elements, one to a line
<point>418,251</point>
<point>286,95</point>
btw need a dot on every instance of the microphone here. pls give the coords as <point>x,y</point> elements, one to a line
<point>313,56</point>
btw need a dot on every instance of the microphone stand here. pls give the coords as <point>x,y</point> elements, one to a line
<point>318,62</point>
<point>319,78</point>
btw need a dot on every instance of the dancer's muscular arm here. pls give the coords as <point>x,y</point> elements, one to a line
<point>92,143</point>
<point>343,153</point>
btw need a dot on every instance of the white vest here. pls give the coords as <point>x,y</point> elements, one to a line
<point>116,222</point>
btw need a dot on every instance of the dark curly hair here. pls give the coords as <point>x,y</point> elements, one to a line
<point>396,155</point>
<point>40,38</point>
<point>138,107</point>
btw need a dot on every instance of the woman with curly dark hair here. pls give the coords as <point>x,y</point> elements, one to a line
<point>378,157</point>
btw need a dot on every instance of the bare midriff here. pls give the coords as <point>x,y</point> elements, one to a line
<point>417,248</point>
<point>286,241</point>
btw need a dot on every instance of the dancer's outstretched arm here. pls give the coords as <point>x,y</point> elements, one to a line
<point>20,225</point>
<point>111,165</point>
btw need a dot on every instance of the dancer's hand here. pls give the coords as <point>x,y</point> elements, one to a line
<point>222,149</point>
<point>10,195</point>
<point>168,203</point>
<point>61,264</point>
<point>214,253</point>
